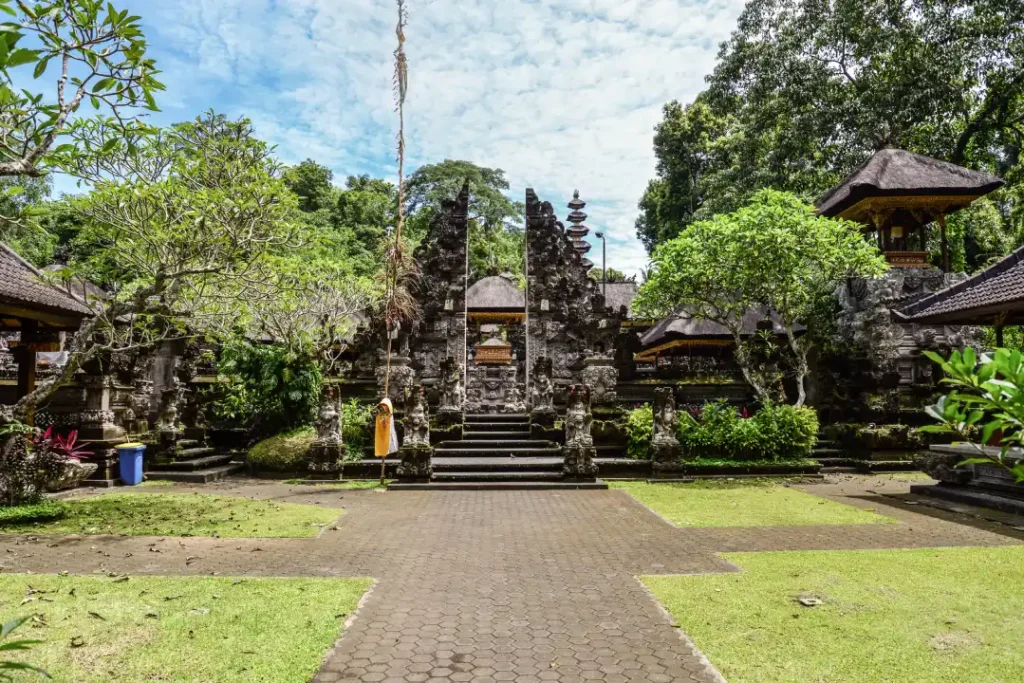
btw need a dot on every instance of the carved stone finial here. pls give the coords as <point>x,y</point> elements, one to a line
<point>577,231</point>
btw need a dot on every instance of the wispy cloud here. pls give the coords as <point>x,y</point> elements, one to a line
<point>560,94</point>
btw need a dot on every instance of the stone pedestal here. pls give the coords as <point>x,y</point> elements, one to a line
<point>416,465</point>
<point>324,459</point>
<point>666,459</point>
<point>579,463</point>
<point>98,427</point>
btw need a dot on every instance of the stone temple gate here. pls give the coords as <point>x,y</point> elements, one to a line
<point>497,333</point>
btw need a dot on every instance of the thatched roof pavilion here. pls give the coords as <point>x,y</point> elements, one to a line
<point>38,310</point>
<point>896,193</point>
<point>684,331</point>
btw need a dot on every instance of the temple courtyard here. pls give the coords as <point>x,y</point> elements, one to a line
<point>847,579</point>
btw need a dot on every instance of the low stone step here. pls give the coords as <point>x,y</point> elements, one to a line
<point>194,453</point>
<point>497,444</point>
<point>197,476</point>
<point>192,464</point>
<point>495,427</point>
<point>487,485</point>
<point>441,464</point>
<point>498,417</point>
<point>459,451</point>
<point>495,435</point>
<point>484,475</point>
<point>187,443</point>
<point>828,453</point>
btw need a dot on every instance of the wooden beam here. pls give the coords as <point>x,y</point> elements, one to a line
<point>65,322</point>
<point>941,218</point>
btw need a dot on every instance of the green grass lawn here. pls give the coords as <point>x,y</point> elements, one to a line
<point>705,504</point>
<point>183,514</point>
<point>180,630</point>
<point>895,616</point>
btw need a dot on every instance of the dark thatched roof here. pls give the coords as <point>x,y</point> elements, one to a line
<point>619,295</point>
<point>23,289</point>
<point>996,292</point>
<point>496,293</point>
<point>684,326</point>
<point>898,173</point>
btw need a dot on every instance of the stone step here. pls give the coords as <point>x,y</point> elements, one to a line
<point>495,427</point>
<point>193,464</point>
<point>194,453</point>
<point>198,476</point>
<point>497,444</point>
<point>492,485</point>
<point>483,475</point>
<point>498,417</point>
<point>498,435</point>
<point>444,451</point>
<point>442,464</point>
<point>828,453</point>
<point>188,443</point>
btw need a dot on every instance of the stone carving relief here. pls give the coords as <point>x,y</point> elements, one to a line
<point>449,386</point>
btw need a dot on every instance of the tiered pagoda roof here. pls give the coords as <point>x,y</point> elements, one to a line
<point>577,231</point>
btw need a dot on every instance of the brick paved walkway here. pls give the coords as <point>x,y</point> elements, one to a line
<point>499,586</point>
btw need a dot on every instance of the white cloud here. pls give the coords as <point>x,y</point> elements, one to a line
<point>561,94</point>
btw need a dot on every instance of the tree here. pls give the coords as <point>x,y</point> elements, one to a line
<point>612,275</point>
<point>495,221</point>
<point>805,90</point>
<point>773,254</point>
<point>312,183</point>
<point>189,222</point>
<point>99,56</point>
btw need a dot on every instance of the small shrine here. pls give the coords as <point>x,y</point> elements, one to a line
<point>897,194</point>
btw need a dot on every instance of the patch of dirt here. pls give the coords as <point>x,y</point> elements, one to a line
<point>953,640</point>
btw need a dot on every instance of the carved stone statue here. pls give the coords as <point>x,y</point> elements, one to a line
<point>513,399</point>
<point>542,390</point>
<point>601,375</point>
<point>170,397</point>
<point>450,386</point>
<point>416,451</point>
<point>417,418</point>
<point>579,452</point>
<point>666,451</point>
<point>325,454</point>
<point>578,417</point>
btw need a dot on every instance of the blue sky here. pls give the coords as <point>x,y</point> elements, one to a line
<point>561,94</point>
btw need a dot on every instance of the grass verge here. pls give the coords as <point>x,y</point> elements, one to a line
<point>179,629</point>
<point>181,514</point>
<point>901,616</point>
<point>350,485</point>
<point>756,503</point>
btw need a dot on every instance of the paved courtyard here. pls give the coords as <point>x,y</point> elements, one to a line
<point>501,586</point>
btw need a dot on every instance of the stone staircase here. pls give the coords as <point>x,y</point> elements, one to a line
<point>496,451</point>
<point>195,463</point>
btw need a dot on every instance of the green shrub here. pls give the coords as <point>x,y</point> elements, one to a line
<point>640,427</point>
<point>285,452</point>
<point>356,428</point>
<point>776,432</point>
<point>44,511</point>
<point>270,388</point>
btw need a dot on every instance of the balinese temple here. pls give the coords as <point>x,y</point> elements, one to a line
<point>897,194</point>
<point>33,314</point>
<point>994,296</point>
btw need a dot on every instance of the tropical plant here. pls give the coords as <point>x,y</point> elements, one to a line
<point>774,256</point>
<point>985,405</point>
<point>356,428</point>
<point>639,429</point>
<point>189,221</point>
<point>98,56</point>
<point>776,432</point>
<point>7,646</point>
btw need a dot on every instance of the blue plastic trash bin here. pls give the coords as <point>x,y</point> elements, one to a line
<point>130,463</point>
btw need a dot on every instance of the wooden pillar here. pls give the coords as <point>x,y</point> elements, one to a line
<point>999,336</point>
<point>941,218</point>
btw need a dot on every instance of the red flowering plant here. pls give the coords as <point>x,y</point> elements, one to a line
<point>69,447</point>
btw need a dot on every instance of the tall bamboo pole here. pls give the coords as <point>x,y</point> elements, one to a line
<point>394,262</point>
